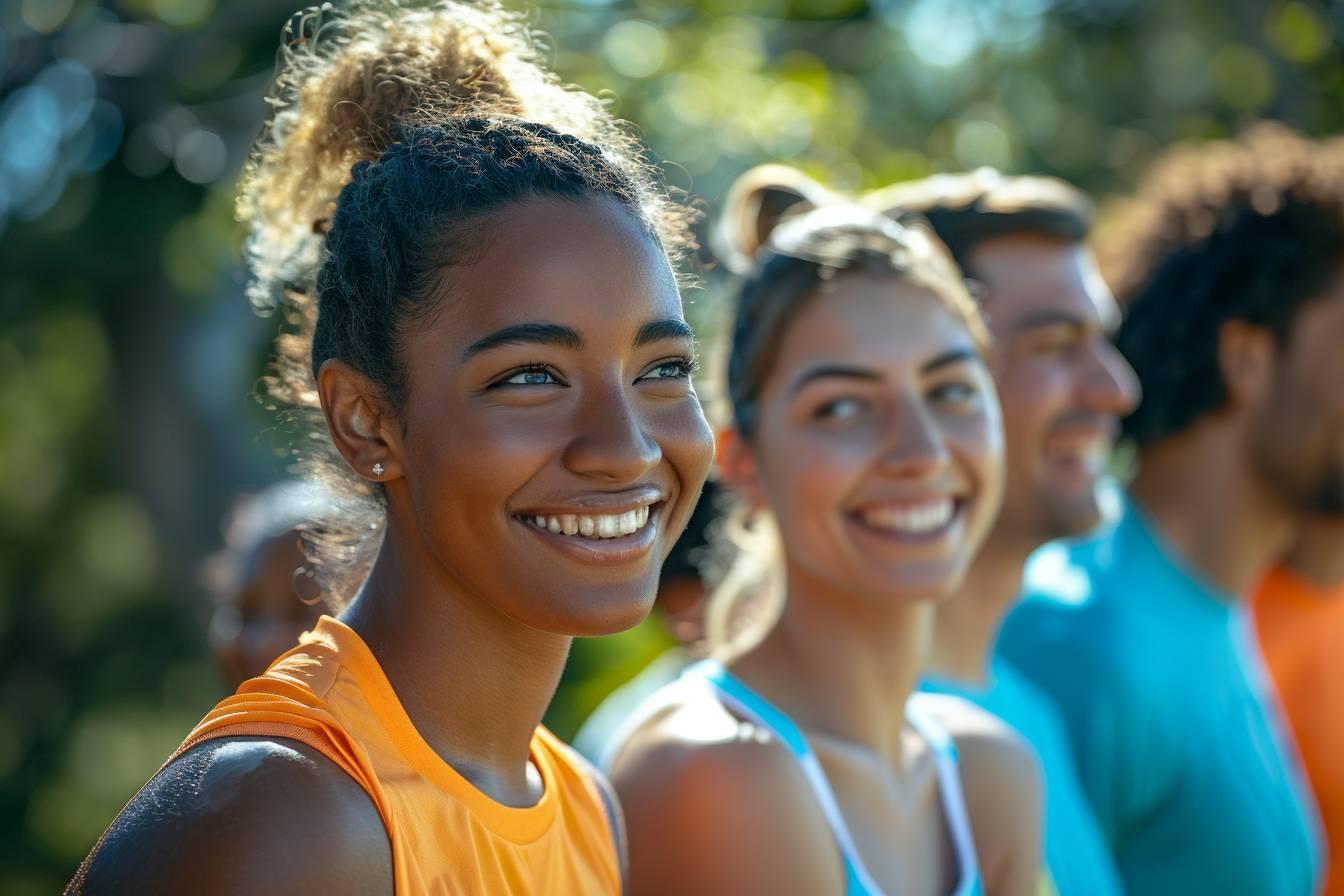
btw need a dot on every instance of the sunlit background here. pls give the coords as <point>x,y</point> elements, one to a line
<point>129,357</point>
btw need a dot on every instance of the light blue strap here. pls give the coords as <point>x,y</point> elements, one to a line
<point>954,801</point>
<point>766,712</point>
<point>858,882</point>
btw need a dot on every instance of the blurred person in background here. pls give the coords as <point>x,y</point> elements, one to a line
<point>1064,388</point>
<point>866,431</point>
<point>680,607</point>
<point>264,593</point>
<point>1230,265</point>
<point>1299,615</point>
<point>496,342</point>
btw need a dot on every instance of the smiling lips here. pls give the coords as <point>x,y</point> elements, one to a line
<point>1083,451</point>
<point>597,525</point>
<point>921,518</point>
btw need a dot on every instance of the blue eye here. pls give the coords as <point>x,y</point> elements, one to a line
<point>531,376</point>
<point>953,392</point>
<point>675,369</point>
<point>840,409</point>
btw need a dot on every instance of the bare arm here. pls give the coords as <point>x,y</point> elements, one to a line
<point>241,816</point>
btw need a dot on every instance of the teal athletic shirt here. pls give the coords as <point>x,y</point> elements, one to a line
<point>1076,855</point>
<point>1176,732</point>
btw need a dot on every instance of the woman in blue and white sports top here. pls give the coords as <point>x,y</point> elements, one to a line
<point>866,430</point>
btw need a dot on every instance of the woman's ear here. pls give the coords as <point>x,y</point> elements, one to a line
<point>737,467</point>
<point>362,426</point>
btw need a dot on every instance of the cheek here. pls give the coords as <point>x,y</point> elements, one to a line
<point>685,438</point>
<point>806,471</point>
<point>1034,393</point>
<point>465,458</point>
<point>978,439</point>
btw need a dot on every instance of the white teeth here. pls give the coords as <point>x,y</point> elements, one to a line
<point>610,525</point>
<point>918,520</point>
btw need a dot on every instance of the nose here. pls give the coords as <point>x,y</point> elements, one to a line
<point>913,444</point>
<point>611,442</point>
<point>1111,386</point>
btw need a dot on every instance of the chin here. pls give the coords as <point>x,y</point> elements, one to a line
<point>594,612</point>
<point>1068,522</point>
<point>920,585</point>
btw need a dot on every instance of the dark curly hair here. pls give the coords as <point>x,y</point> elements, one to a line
<point>1248,229</point>
<point>415,211</point>
<point>396,126</point>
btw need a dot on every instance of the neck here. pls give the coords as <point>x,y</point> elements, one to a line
<point>842,666</point>
<point>1211,507</point>
<point>474,682</point>
<point>968,620</point>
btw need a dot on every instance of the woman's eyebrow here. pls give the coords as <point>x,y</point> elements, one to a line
<point>658,330</point>
<point>955,356</point>
<point>527,334</point>
<point>842,371</point>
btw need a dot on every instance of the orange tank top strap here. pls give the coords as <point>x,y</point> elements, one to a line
<point>287,702</point>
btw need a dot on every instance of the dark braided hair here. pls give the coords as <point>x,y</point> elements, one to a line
<point>415,211</point>
<point>1248,230</point>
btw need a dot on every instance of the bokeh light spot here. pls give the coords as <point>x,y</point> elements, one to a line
<point>1298,31</point>
<point>635,48</point>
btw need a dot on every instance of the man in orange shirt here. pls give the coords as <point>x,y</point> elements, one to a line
<point>1299,612</point>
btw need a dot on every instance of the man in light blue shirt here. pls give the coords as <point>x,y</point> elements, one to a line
<point>1231,267</point>
<point>1063,387</point>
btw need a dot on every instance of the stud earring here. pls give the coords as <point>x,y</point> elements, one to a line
<point>377,469</point>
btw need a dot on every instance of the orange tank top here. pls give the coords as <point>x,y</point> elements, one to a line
<point>447,837</point>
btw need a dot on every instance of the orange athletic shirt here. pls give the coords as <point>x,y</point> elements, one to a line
<point>1301,628</point>
<point>447,837</point>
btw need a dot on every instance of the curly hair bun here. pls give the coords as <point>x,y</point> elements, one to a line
<point>349,79</point>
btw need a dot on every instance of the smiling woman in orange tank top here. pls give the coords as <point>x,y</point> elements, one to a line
<point>479,274</point>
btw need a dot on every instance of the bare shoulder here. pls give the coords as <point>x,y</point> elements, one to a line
<point>716,805</point>
<point>244,815</point>
<point>985,743</point>
<point>1002,786</point>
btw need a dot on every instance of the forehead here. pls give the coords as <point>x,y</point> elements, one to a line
<point>883,322</point>
<point>587,264</point>
<point>1028,274</point>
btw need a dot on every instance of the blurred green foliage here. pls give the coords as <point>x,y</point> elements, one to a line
<point>128,356</point>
